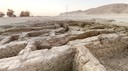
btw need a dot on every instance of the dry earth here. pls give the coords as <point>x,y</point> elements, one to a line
<point>63,45</point>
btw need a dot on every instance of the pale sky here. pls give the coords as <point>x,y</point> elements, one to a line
<point>52,7</point>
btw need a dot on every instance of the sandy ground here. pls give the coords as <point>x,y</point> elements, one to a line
<point>120,19</point>
<point>118,62</point>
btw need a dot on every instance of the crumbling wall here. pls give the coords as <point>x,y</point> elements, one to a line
<point>63,46</point>
<point>110,49</point>
<point>108,45</point>
<point>12,49</point>
<point>85,61</point>
<point>55,59</point>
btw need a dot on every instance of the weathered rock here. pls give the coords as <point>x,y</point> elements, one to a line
<point>60,31</point>
<point>85,61</point>
<point>108,45</point>
<point>55,59</point>
<point>109,49</point>
<point>9,39</point>
<point>31,46</point>
<point>11,49</point>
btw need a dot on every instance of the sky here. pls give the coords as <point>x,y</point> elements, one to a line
<point>52,7</point>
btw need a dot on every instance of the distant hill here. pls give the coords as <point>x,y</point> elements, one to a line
<point>118,8</point>
<point>73,13</point>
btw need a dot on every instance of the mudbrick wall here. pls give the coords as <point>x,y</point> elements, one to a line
<point>63,46</point>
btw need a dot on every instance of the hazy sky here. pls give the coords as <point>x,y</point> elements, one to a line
<point>52,7</point>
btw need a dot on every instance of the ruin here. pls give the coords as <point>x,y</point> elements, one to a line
<point>64,45</point>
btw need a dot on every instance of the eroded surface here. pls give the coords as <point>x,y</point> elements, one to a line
<point>63,46</point>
